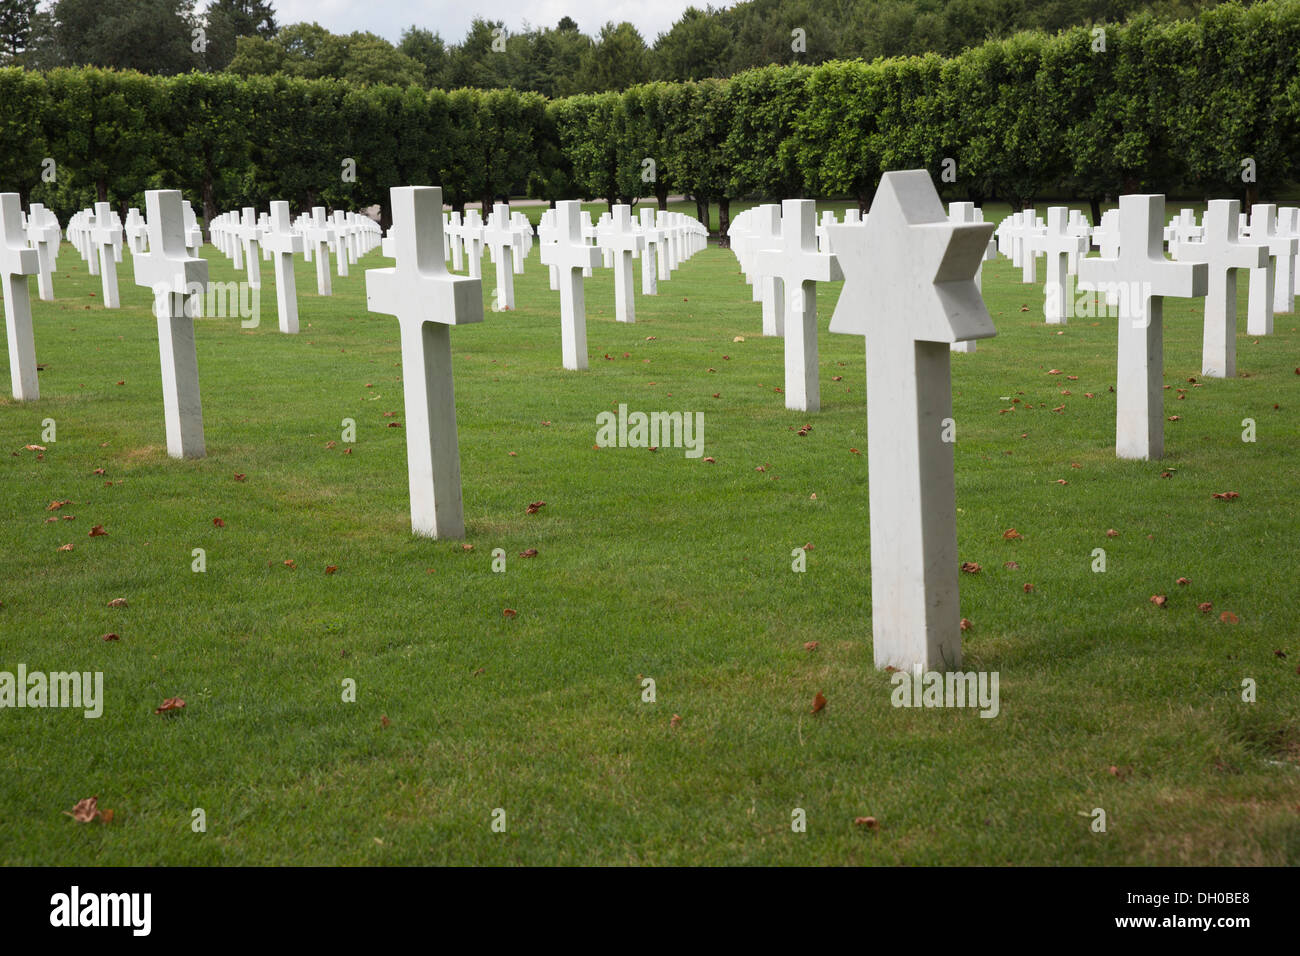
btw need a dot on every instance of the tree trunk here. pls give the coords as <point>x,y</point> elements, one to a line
<point>1095,203</point>
<point>1252,195</point>
<point>101,189</point>
<point>724,221</point>
<point>209,206</point>
<point>702,212</point>
<point>661,194</point>
<point>864,203</point>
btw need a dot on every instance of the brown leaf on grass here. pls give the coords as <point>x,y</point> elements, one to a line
<point>98,531</point>
<point>467,547</point>
<point>711,461</point>
<point>970,567</point>
<point>35,448</point>
<point>170,705</point>
<point>1183,581</point>
<point>110,637</point>
<point>1279,653</point>
<point>88,809</point>
<point>291,564</point>
<point>1028,587</point>
<point>854,451</point>
<point>1112,533</point>
<point>65,547</point>
<point>1225,495</point>
<point>819,702</point>
<point>535,507</point>
<point>384,721</point>
<point>117,602</point>
<point>810,645</point>
<point>347,451</point>
<point>1053,371</point>
<point>1011,534</point>
<point>331,568</point>
<point>870,823</point>
<point>676,721</point>
<point>56,505</point>
<point>1061,481</point>
<point>965,624</point>
<point>1227,617</point>
<point>1159,600</point>
<point>65,518</point>
<point>1205,607</point>
<point>218,523</point>
<point>509,612</point>
<point>239,476</point>
<point>809,546</point>
<point>394,424</point>
<point>1011,565</point>
<point>530,553</point>
<point>98,471</point>
<point>330,444</point>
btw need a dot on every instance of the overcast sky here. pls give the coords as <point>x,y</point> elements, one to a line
<point>451,18</point>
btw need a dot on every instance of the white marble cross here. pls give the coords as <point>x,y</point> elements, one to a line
<point>17,262</point>
<point>623,242</point>
<point>767,222</point>
<point>471,232</point>
<point>283,241</point>
<point>1059,244</point>
<point>1223,254</point>
<point>43,233</point>
<point>320,235</point>
<point>500,238</point>
<point>668,249</point>
<point>1284,284</point>
<point>962,213</point>
<point>137,231</point>
<point>341,255</point>
<point>250,238</point>
<point>103,235</point>
<point>909,288</point>
<point>798,266</point>
<point>454,226</point>
<point>427,300</point>
<point>653,238</point>
<point>571,254</point>
<point>174,277</point>
<point>1143,277</point>
<point>1263,288</point>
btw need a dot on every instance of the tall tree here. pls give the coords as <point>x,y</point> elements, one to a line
<point>15,29</point>
<point>152,36</point>
<point>225,21</point>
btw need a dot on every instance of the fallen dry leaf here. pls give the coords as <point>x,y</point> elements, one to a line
<point>1225,495</point>
<point>810,645</point>
<point>65,547</point>
<point>871,823</point>
<point>530,553</point>
<point>117,602</point>
<point>218,522</point>
<point>110,637</point>
<point>1112,533</point>
<point>1011,534</point>
<point>291,564</point>
<point>970,567</point>
<point>965,624</point>
<point>170,705</point>
<point>819,702</point>
<point>384,721</point>
<point>88,809</point>
<point>711,461</point>
<point>1205,607</point>
<point>1227,617</point>
<point>331,568</point>
<point>1183,581</point>
<point>1012,565</point>
<point>98,531</point>
<point>509,612</point>
<point>676,721</point>
<point>1028,587</point>
<point>535,507</point>
<point>239,477</point>
<point>1159,600</point>
<point>56,505</point>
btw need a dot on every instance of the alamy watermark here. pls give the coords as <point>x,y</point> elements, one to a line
<point>80,690</point>
<point>951,689</point>
<point>651,430</point>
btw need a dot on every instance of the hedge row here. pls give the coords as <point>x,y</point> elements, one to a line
<point>1167,107</point>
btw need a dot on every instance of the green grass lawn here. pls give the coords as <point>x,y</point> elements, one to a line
<point>649,564</point>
